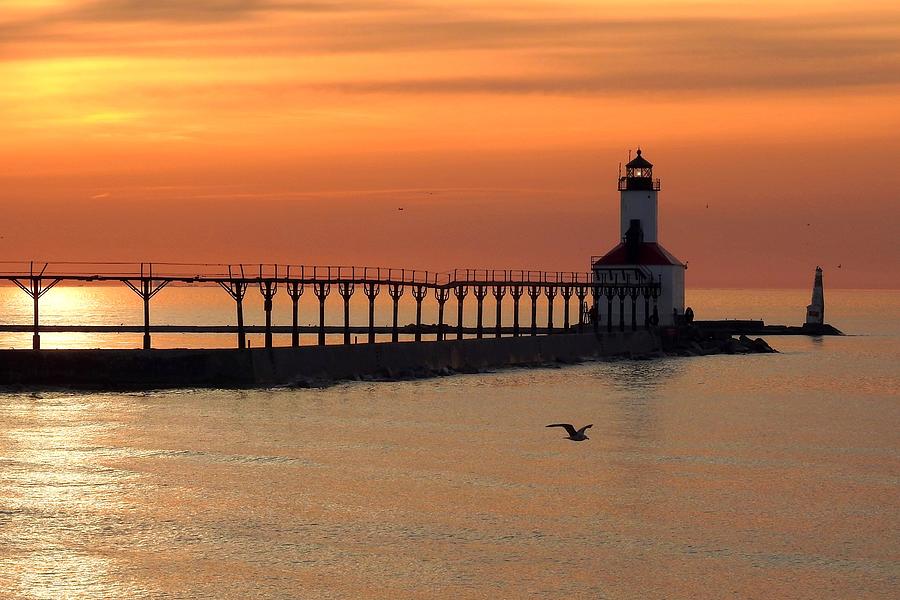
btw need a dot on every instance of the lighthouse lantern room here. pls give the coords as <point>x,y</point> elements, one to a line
<point>639,257</point>
<point>638,192</point>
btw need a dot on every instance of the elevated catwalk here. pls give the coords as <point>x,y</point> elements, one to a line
<point>627,286</point>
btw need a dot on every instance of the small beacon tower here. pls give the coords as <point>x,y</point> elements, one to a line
<point>639,253</point>
<point>815,312</point>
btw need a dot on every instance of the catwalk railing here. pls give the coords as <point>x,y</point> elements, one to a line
<point>148,279</point>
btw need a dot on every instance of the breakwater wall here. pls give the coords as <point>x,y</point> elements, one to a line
<point>754,327</point>
<point>261,367</point>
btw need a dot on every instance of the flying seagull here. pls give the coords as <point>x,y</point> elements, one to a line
<point>575,436</point>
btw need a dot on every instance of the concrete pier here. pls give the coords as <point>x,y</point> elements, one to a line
<point>753,327</point>
<point>263,367</point>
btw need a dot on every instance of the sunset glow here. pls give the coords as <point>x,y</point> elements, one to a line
<point>279,131</point>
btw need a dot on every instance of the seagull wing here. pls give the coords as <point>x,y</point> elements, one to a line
<point>568,427</point>
<point>583,429</point>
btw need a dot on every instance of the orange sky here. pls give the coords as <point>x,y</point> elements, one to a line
<point>292,130</point>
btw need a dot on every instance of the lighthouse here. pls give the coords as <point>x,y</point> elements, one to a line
<point>639,257</point>
<point>815,311</point>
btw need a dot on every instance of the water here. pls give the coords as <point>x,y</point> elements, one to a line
<point>763,476</point>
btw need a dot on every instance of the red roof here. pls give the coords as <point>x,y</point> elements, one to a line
<point>649,253</point>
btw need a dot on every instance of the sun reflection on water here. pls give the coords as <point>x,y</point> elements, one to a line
<point>56,497</point>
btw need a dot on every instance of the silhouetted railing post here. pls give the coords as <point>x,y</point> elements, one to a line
<point>480,294</point>
<point>534,292</point>
<point>237,288</point>
<point>550,291</point>
<point>566,292</point>
<point>295,290</point>
<point>36,336</point>
<point>144,288</point>
<point>396,292</point>
<point>321,290</point>
<point>145,296</point>
<point>419,292</point>
<point>345,289</point>
<point>441,295</point>
<point>239,305</point>
<point>634,291</point>
<point>610,291</point>
<point>655,291</point>
<point>621,292</point>
<point>371,290</point>
<point>516,292</point>
<point>646,293</point>
<point>35,289</point>
<point>268,288</point>
<point>581,293</point>
<point>460,292</point>
<point>499,292</point>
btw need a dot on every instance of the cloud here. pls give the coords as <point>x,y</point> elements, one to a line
<point>585,57</point>
<point>191,11</point>
<point>672,81</point>
<point>522,52</point>
<point>67,25</point>
<point>169,10</point>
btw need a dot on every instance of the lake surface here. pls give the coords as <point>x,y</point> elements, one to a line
<point>760,476</point>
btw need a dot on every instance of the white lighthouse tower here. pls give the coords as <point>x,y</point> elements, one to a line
<point>815,311</point>
<point>639,256</point>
